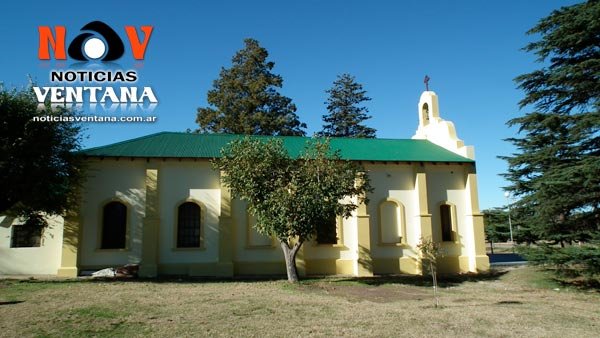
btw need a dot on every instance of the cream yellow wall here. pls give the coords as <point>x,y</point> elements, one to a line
<point>246,254</point>
<point>396,182</point>
<point>346,249</point>
<point>188,180</point>
<point>244,250</point>
<point>445,183</point>
<point>42,260</point>
<point>108,180</point>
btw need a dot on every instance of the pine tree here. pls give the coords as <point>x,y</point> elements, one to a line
<point>496,225</point>
<point>345,116</point>
<point>245,100</point>
<point>556,169</point>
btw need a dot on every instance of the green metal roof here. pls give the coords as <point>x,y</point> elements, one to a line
<point>190,145</point>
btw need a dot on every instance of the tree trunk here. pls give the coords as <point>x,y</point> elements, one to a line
<point>290,259</point>
<point>435,285</point>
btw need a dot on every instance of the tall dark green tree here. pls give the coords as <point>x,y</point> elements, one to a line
<point>555,171</point>
<point>244,99</point>
<point>346,115</point>
<point>496,225</point>
<point>39,169</point>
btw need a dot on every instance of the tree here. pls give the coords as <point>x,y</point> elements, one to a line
<point>496,225</point>
<point>39,168</point>
<point>556,169</point>
<point>246,101</point>
<point>345,116</point>
<point>291,198</point>
<point>430,253</point>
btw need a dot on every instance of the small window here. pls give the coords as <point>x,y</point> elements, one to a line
<point>114,226</point>
<point>25,236</point>
<point>188,225</point>
<point>327,231</point>
<point>446,222</point>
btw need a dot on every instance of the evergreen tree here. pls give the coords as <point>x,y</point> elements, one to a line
<point>496,225</point>
<point>556,169</point>
<point>345,115</point>
<point>245,98</point>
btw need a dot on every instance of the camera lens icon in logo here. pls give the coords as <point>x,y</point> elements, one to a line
<point>105,45</point>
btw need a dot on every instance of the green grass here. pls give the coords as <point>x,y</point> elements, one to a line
<point>513,303</point>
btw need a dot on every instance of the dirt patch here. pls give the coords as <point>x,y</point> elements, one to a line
<point>375,294</point>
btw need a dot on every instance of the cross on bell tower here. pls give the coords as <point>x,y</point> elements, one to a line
<point>426,82</point>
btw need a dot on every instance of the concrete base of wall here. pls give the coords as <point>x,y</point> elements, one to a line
<point>386,266</point>
<point>148,270</point>
<point>482,263</point>
<point>329,267</point>
<point>259,268</point>
<point>67,272</point>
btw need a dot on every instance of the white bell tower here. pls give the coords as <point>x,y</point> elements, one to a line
<point>437,130</point>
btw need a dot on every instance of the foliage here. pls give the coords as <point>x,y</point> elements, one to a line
<point>245,98</point>
<point>291,197</point>
<point>555,172</point>
<point>430,252</point>
<point>345,116</point>
<point>39,170</point>
<point>574,260</point>
<point>496,225</point>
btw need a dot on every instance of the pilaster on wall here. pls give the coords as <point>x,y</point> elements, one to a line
<point>68,262</point>
<point>424,226</point>
<point>478,260</point>
<point>150,227</point>
<point>226,235</point>
<point>364,262</point>
<point>424,221</point>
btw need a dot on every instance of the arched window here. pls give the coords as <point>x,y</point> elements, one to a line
<point>447,222</point>
<point>188,225</point>
<point>425,112</point>
<point>26,236</point>
<point>328,232</point>
<point>392,228</point>
<point>114,226</point>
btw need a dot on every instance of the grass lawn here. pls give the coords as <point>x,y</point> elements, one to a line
<point>518,302</point>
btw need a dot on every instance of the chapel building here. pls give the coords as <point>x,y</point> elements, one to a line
<point>157,201</point>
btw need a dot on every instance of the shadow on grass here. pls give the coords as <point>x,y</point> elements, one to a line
<point>415,280</point>
<point>580,282</point>
<point>443,280</point>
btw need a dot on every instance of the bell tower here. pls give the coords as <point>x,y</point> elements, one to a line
<point>437,130</point>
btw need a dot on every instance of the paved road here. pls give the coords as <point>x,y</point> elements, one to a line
<point>506,259</point>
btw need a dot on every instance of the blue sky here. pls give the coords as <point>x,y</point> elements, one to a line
<point>469,49</point>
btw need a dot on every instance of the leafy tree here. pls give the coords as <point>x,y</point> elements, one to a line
<point>291,197</point>
<point>556,169</point>
<point>245,98</point>
<point>345,115</point>
<point>39,170</point>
